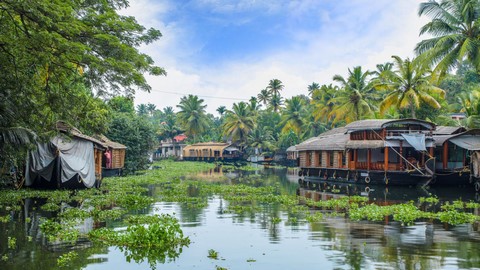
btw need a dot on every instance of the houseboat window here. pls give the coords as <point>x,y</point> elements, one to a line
<point>455,153</point>
<point>330,159</point>
<point>310,158</point>
<point>344,159</point>
<point>320,158</point>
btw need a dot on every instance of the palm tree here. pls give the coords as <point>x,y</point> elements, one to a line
<point>264,96</point>
<point>253,106</point>
<point>238,123</point>
<point>142,109</point>
<point>322,102</point>
<point>456,32</point>
<point>293,116</point>
<point>276,103</point>
<point>355,100</point>
<point>409,86</point>
<point>312,87</point>
<point>221,110</point>
<point>471,107</point>
<point>260,139</point>
<point>192,115</point>
<point>275,86</point>
<point>151,108</point>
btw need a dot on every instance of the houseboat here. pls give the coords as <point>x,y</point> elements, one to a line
<point>393,152</point>
<point>458,158</point>
<point>70,160</point>
<point>212,151</point>
<point>378,151</point>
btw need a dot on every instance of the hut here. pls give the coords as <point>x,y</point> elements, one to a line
<point>69,160</point>
<point>212,151</point>
<point>113,159</point>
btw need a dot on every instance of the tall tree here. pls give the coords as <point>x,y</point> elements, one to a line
<point>239,122</point>
<point>409,87</point>
<point>142,109</point>
<point>356,99</point>
<point>471,107</point>
<point>322,102</point>
<point>293,116</point>
<point>264,96</point>
<point>276,103</point>
<point>455,29</point>
<point>192,115</point>
<point>312,87</point>
<point>275,86</point>
<point>221,110</point>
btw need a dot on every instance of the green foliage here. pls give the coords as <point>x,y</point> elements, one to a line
<point>64,260</point>
<point>135,132</point>
<point>154,238</point>
<point>212,254</point>
<point>12,242</point>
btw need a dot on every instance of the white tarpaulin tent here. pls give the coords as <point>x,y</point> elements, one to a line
<point>73,157</point>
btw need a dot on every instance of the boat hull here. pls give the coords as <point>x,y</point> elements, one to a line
<point>389,178</point>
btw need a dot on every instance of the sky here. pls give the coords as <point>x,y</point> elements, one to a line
<point>226,51</point>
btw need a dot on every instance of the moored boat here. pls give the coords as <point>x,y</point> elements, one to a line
<point>390,152</point>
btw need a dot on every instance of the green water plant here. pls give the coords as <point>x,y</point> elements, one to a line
<point>64,260</point>
<point>156,239</point>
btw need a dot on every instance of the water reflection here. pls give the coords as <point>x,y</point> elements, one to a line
<point>273,237</point>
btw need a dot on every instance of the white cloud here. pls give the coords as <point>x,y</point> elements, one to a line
<point>343,41</point>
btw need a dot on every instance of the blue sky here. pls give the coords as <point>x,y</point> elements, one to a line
<point>226,51</point>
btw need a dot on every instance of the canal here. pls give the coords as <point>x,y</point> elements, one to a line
<point>226,233</point>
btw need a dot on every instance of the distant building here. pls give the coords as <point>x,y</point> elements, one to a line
<point>171,147</point>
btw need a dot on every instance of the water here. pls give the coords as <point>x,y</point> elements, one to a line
<point>251,241</point>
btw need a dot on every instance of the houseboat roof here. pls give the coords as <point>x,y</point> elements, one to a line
<point>377,124</point>
<point>216,146</point>
<point>111,144</point>
<point>334,139</point>
<point>468,140</point>
<point>292,148</point>
<point>446,130</point>
<point>72,131</point>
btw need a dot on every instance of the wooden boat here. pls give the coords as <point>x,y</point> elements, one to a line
<point>212,151</point>
<point>385,152</point>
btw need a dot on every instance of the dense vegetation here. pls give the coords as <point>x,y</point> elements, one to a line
<point>79,62</point>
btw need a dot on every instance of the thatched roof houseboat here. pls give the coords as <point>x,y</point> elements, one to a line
<point>393,152</point>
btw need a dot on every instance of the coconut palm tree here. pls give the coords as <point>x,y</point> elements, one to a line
<point>322,102</point>
<point>455,29</point>
<point>151,109</point>
<point>276,103</point>
<point>312,87</point>
<point>142,109</point>
<point>239,122</point>
<point>275,86</point>
<point>192,116</point>
<point>264,96</point>
<point>355,100</point>
<point>221,110</point>
<point>260,139</point>
<point>409,87</point>
<point>293,116</point>
<point>471,107</point>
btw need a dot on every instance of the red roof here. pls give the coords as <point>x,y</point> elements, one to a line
<point>180,137</point>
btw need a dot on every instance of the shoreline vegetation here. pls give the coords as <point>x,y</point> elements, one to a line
<point>123,198</point>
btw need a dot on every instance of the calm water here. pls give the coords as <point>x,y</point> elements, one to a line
<point>252,241</point>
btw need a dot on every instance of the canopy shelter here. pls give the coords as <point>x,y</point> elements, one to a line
<point>66,161</point>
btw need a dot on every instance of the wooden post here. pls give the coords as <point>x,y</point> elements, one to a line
<point>386,159</point>
<point>431,151</point>
<point>445,155</point>
<point>369,158</point>
<point>401,155</point>
<point>355,158</point>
